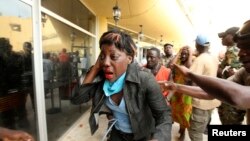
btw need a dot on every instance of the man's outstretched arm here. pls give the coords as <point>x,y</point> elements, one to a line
<point>224,90</point>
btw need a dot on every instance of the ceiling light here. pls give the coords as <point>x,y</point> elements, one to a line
<point>161,38</point>
<point>116,13</point>
<point>140,34</point>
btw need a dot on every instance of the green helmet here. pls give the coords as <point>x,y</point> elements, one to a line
<point>243,35</point>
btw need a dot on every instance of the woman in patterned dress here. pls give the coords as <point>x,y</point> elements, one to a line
<point>181,104</point>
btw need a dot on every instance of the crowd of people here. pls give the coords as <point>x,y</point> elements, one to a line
<point>233,91</point>
<point>141,102</point>
<point>63,69</point>
<point>117,86</point>
<point>16,82</point>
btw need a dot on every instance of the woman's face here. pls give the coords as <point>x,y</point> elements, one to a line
<point>113,61</point>
<point>184,55</point>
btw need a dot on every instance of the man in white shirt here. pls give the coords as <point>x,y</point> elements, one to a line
<point>204,64</point>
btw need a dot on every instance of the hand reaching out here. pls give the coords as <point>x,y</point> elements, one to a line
<point>184,70</point>
<point>167,85</point>
<point>14,135</point>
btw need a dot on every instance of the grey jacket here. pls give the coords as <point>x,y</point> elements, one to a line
<point>147,109</point>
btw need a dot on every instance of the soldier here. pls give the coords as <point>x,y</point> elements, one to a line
<point>227,68</point>
<point>169,56</point>
<point>231,61</point>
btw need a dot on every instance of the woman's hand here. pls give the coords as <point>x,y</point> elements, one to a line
<point>190,51</point>
<point>93,71</point>
<point>179,53</point>
<point>97,67</point>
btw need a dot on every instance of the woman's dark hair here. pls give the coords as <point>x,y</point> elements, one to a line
<point>121,40</point>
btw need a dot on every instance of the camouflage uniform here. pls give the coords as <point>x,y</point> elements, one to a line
<point>167,60</point>
<point>231,60</point>
<point>229,114</point>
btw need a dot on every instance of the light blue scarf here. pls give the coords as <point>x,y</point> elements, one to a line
<point>111,88</point>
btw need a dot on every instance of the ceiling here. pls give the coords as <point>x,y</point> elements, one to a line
<point>178,21</point>
<point>158,17</point>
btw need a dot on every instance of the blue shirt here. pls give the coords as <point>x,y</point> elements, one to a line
<point>120,114</point>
